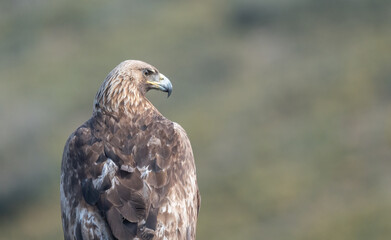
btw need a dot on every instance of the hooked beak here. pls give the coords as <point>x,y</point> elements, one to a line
<point>162,84</point>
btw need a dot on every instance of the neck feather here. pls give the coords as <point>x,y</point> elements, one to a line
<point>119,97</point>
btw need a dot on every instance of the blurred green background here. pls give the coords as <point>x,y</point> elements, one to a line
<point>287,104</point>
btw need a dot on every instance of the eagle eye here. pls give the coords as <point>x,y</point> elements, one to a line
<point>147,72</point>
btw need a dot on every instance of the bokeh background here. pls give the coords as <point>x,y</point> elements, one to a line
<point>287,104</point>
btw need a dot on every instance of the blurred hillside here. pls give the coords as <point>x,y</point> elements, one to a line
<point>287,105</point>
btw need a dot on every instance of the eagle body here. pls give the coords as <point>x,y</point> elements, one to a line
<point>128,172</point>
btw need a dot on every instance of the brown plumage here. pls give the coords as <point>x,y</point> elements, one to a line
<point>128,172</point>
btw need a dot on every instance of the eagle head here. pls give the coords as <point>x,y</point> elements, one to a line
<point>126,85</point>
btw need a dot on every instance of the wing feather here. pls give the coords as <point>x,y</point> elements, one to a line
<point>126,171</point>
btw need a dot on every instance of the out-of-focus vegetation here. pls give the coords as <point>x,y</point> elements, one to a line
<point>287,105</point>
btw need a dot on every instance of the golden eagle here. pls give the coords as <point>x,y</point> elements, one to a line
<point>128,172</point>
